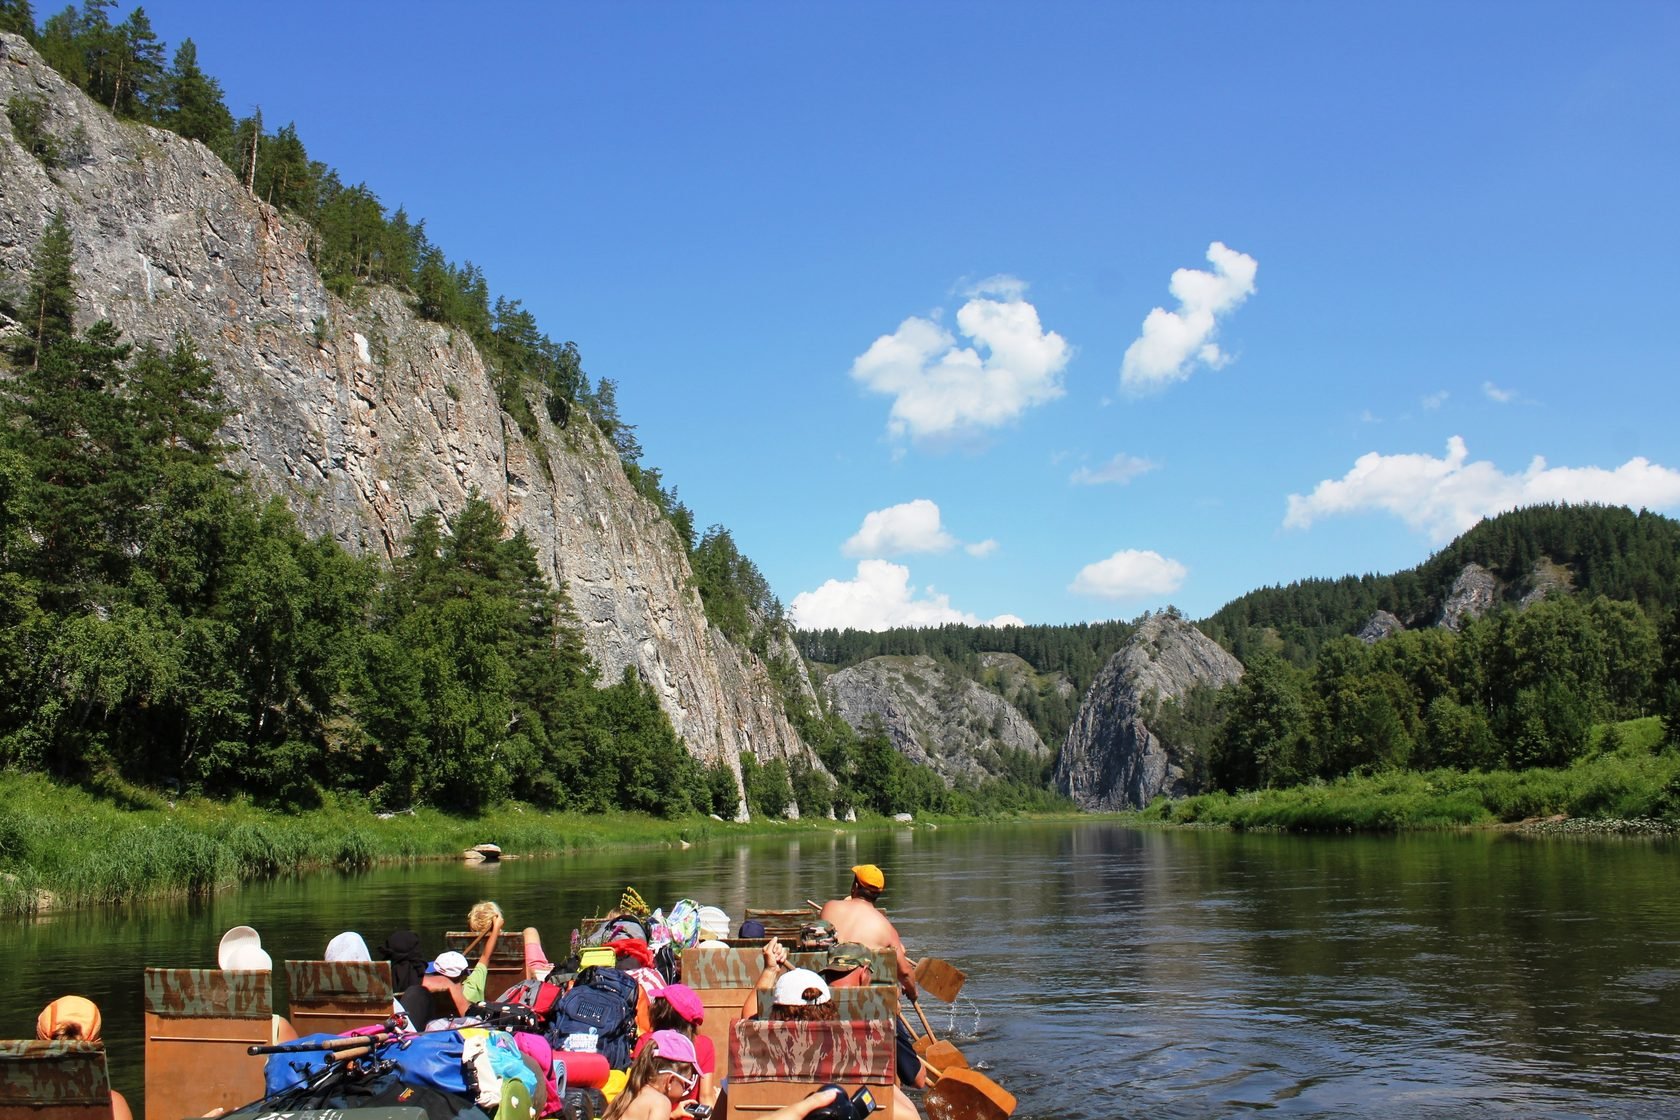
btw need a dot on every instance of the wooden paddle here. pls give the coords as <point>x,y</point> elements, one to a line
<point>965,1094</point>
<point>940,979</point>
<point>955,1099</point>
<point>945,1062</point>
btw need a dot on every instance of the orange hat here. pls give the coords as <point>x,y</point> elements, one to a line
<point>68,1013</point>
<point>870,876</point>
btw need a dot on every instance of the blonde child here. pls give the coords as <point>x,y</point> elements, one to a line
<point>659,1081</point>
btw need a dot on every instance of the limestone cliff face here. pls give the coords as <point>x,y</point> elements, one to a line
<point>934,717</point>
<point>1111,760</point>
<point>362,416</point>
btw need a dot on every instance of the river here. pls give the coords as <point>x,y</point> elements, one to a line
<point>1114,972</point>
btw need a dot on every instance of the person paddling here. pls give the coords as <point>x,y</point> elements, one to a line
<point>856,919</point>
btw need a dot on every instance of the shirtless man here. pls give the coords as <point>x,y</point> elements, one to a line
<point>857,920</point>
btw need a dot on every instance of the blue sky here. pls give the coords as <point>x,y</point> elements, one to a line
<point>868,275</point>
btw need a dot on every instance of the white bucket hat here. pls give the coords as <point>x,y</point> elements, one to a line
<point>713,922</point>
<point>348,946</point>
<point>241,951</point>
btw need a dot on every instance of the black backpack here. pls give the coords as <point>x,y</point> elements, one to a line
<point>603,1000</point>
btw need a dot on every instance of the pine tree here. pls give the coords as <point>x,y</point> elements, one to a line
<point>192,104</point>
<point>48,310</point>
<point>18,17</point>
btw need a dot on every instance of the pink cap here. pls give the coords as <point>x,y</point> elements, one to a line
<point>675,1047</point>
<point>684,1001</point>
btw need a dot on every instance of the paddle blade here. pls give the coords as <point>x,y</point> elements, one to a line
<point>940,979</point>
<point>956,1100</point>
<point>943,1056</point>
<point>923,1044</point>
<point>1002,1098</point>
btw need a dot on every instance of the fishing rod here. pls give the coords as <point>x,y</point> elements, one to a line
<point>359,1045</point>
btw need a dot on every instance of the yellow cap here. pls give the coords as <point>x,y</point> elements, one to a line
<point>870,876</point>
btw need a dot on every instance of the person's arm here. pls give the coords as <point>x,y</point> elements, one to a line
<point>775,961</point>
<point>479,978</point>
<point>906,967</point>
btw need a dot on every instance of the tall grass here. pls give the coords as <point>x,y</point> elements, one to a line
<point>1629,783</point>
<point>63,847</point>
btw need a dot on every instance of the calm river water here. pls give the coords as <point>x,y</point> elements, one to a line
<point>1114,973</point>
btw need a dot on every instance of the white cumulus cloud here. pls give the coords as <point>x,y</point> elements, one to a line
<point>981,549</point>
<point>1128,574</point>
<point>1444,497</point>
<point>906,527</point>
<point>1497,395</point>
<point>880,597</point>
<point>939,387</point>
<point>1435,400</point>
<point>1174,343</point>
<point>1119,470</point>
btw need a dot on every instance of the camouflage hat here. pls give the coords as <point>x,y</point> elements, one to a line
<point>848,955</point>
<point>819,934</point>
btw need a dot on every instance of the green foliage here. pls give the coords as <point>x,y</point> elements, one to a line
<point>1608,551</point>
<point>1627,785</point>
<point>28,115</point>
<point>769,789</point>
<point>735,593</point>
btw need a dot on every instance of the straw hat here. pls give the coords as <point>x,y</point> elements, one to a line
<point>241,951</point>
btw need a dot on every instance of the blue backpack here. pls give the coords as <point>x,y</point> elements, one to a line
<point>602,1000</point>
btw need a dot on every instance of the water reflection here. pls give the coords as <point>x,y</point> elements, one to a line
<point>1113,972</point>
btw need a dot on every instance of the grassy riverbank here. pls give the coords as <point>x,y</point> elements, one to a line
<point>65,847</point>
<point>1629,782</point>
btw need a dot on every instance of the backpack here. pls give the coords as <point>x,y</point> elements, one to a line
<point>667,963</point>
<point>538,995</point>
<point>603,1001</point>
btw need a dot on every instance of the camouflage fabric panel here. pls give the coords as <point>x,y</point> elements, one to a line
<point>56,1073</point>
<point>874,1002</point>
<point>340,981</point>
<point>209,993</point>
<point>844,1051</point>
<point>721,968</point>
<point>883,968</point>
<point>510,949</point>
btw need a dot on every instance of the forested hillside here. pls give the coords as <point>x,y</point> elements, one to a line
<point>1075,653</point>
<point>1608,550</point>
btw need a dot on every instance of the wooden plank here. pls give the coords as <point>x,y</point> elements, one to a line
<point>723,1008</point>
<point>54,1081</point>
<point>198,1024</point>
<point>756,1098</point>
<point>331,997</point>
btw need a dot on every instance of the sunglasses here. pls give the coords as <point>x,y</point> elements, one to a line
<point>688,1082</point>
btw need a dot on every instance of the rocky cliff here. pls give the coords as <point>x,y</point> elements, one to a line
<point>1111,760</point>
<point>935,717</point>
<point>361,415</point>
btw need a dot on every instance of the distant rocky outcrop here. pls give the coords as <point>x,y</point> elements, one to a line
<point>1379,626</point>
<point>1111,760</point>
<point>934,716</point>
<point>1012,673</point>
<point>1474,593</point>
<point>1546,578</point>
<point>360,414</point>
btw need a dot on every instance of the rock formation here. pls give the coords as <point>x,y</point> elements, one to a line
<point>934,717</point>
<point>360,414</point>
<point>1111,760</point>
<point>1379,626</point>
<point>1473,594</point>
